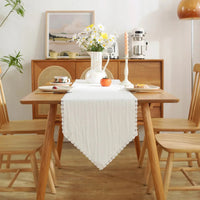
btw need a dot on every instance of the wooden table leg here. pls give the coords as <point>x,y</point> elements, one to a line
<point>46,152</point>
<point>137,145</point>
<point>60,141</point>
<point>152,152</point>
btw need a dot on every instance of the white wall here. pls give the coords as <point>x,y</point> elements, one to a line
<point>168,37</point>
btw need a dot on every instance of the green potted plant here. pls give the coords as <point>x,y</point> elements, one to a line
<point>13,60</point>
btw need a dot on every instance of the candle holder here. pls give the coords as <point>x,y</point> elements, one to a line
<point>126,83</point>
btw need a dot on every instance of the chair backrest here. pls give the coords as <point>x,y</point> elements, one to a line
<point>194,113</point>
<point>3,108</point>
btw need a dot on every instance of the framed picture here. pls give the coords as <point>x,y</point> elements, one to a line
<point>60,28</point>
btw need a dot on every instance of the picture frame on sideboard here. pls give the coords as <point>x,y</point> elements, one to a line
<point>60,28</point>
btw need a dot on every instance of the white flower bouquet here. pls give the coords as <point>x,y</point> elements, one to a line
<point>93,38</point>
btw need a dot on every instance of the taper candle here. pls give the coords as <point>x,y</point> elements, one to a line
<point>126,44</point>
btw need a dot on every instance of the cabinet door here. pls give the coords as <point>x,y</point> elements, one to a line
<point>147,72</point>
<point>43,73</point>
<point>83,66</point>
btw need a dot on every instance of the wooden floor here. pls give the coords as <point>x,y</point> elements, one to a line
<point>79,179</point>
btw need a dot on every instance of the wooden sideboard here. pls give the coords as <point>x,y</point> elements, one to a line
<point>140,71</point>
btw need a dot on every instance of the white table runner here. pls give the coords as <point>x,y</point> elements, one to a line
<point>99,121</point>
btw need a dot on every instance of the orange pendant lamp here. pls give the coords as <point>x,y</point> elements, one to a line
<point>189,9</point>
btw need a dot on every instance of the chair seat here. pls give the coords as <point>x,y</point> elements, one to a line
<point>164,124</point>
<point>24,126</point>
<point>179,143</point>
<point>20,144</point>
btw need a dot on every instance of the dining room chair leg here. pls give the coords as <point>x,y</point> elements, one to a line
<point>147,172</point>
<point>137,146</point>
<point>150,185</point>
<point>51,182</point>
<point>189,155</point>
<point>56,156</point>
<point>34,167</point>
<point>198,158</point>
<point>8,161</point>
<point>51,176</point>
<point>168,172</point>
<point>142,153</point>
<point>60,141</point>
<point>52,169</point>
<point>1,160</point>
<point>27,157</point>
<point>14,178</point>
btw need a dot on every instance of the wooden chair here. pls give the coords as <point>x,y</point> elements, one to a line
<point>21,126</point>
<point>182,143</point>
<point>27,145</point>
<point>179,143</point>
<point>179,125</point>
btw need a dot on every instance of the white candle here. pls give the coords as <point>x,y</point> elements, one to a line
<point>126,44</point>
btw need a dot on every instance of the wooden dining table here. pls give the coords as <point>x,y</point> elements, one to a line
<point>144,99</point>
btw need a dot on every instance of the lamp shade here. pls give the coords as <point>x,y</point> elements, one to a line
<point>189,9</point>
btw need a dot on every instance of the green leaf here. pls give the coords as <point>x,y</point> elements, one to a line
<point>13,61</point>
<point>16,6</point>
<point>20,11</point>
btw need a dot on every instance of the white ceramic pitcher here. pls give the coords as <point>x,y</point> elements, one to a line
<point>96,73</point>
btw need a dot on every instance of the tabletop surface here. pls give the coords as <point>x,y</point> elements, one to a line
<point>38,97</point>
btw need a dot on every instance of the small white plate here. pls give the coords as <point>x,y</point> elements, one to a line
<point>58,90</point>
<point>151,88</point>
<point>60,84</point>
